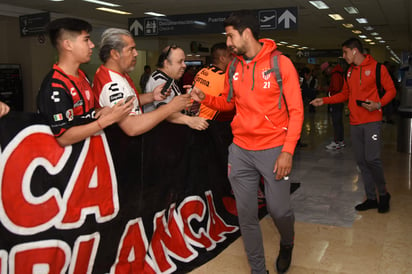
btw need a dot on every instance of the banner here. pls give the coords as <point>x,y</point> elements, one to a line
<point>156,203</point>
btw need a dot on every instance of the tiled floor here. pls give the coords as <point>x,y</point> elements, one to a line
<point>331,237</point>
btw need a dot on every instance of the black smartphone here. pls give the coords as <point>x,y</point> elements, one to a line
<point>359,102</point>
<point>168,84</point>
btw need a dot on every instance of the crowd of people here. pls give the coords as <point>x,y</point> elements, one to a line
<point>265,132</point>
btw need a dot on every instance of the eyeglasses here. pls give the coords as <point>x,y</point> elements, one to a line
<point>164,55</point>
<point>168,51</point>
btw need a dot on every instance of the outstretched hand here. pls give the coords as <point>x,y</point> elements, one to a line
<point>157,94</point>
<point>316,102</point>
<point>116,113</point>
<point>180,102</point>
<point>197,94</point>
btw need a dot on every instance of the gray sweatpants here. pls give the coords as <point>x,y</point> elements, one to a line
<point>245,169</point>
<point>366,142</point>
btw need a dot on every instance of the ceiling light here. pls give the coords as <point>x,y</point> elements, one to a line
<point>351,10</point>
<point>319,5</point>
<point>292,47</point>
<point>355,31</point>
<point>374,33</point>
<point>382,41</point>
<point>283,42</point>
<point>152,13</point>
<point>114,11</point>
<point>372,43</point>
<point>368,40</point>
<point>369,28</point>
<point>336,16</point>
<point>102,3</point>
<point>56,0</point>
<point>348,26</point>
<point>378,38</point>
<point>362,36</point>
<point>362,20</point>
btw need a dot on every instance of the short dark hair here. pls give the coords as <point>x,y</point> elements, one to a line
<point>353,43</point>
<point>164,55</point>
<point>243,19</point>
<point>214,51</point>
<point>56,28</point>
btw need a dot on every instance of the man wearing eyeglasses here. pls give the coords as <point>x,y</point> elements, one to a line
<point>171,65</point>
<point>112,83</point>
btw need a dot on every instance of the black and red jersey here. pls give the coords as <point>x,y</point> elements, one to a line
<point>65,100</point>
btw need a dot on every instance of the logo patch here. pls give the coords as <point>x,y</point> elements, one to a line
<point>69,114</point>
<point>55,96</point>
<point>78,104</point>
<point>367,72</point>
<point>265,75</point>
<point>115,97</point>
<point>58,117</point>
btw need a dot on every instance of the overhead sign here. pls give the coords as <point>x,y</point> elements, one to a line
<point>273,19</point>
<point>278,19</point>
<point>33,24</point>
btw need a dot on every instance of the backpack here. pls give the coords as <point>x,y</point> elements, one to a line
<point>274,64</point>
<point>381,90</point>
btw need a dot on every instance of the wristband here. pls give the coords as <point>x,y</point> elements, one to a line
<point>98,123</point>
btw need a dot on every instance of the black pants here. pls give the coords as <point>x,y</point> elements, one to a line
<point>337,121</point>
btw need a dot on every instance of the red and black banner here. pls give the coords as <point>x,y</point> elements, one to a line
<point>156,203</point>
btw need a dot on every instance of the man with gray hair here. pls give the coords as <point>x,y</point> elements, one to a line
<point>113,83</point>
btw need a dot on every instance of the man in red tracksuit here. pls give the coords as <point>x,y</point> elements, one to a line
<point>365,108</point>
<point>264,135</point>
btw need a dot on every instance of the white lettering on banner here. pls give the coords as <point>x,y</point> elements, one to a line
<point>24,214</point>
<point>173,237</point>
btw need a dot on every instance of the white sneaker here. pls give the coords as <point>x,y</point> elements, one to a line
<point>333,146</point>
<point>341,144</point>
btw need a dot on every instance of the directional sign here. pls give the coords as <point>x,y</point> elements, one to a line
<point>278,18</point>
<point>135,27</point>
<point>34,24</point>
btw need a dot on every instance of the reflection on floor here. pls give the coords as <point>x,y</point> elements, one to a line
<point>330,236</point>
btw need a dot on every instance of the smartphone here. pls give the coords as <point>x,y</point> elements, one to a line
<point>359,102</point>
<point>191,88</point>
<point>168,84</point>
<point>130,97</point>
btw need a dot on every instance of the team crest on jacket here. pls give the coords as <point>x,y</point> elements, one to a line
<point>367,72</point>
<point>265,76</point>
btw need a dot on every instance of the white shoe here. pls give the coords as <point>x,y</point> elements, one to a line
<point>333,146</point>
<point>341,144</point>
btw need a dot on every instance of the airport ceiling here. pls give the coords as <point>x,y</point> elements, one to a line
<point>391,19</point>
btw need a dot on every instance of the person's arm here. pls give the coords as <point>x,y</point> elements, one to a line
<point>154,95</point>
<point>215,102</point>
<point>4,109</point>
<point>134,125</point>
<point>76,134</point>
<point>194,122</point>
<point>291,91</point>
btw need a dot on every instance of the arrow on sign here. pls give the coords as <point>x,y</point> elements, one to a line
<point>287,16</point>
<point>136,26</point>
